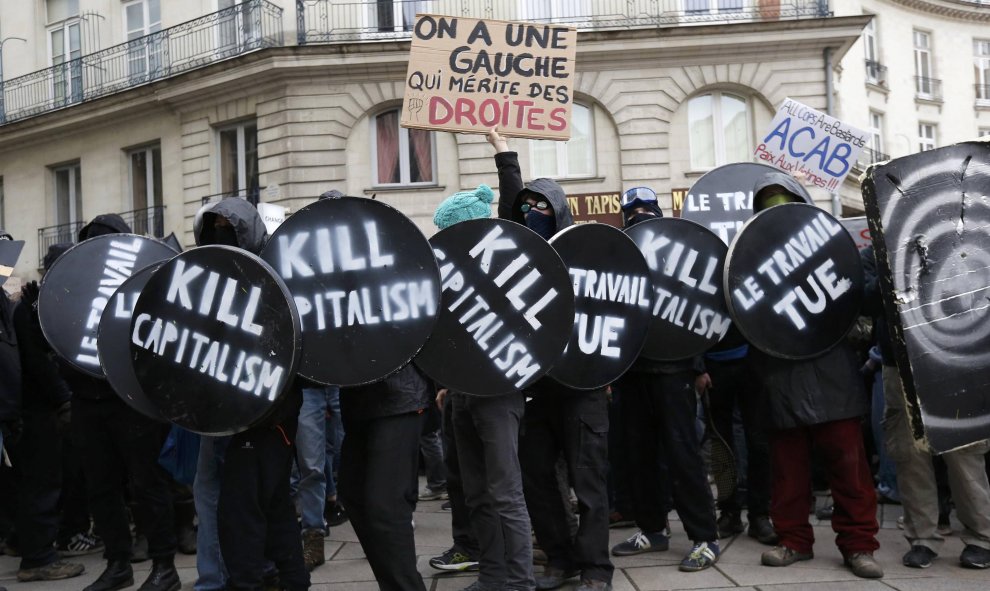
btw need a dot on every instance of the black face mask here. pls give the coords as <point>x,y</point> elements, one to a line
<point>225,235</point>
<point>544,225</point>
<point>639,217</point>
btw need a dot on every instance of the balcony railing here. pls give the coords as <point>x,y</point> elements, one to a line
<point>876,73</point>
<point>149,221</point>
<point>929,89</point>
<point>249,194</point>
<point>870,156</point>
<point>244,27</point>
<point>328,21</point>
<point>60,234</point>
<point>983,93</point>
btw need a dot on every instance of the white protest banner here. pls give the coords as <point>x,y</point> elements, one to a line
<point>472,75</point>
<point>802,139</point>
<point>273,216</point>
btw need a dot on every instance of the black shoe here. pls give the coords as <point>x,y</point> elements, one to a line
<point>762,530</point>
<point>117,575</point>
<point>186,539</point>
<point>554,577</point>
<point>334,514</point>
<point>163,577</point>
<point>729,524</point>
<point>919,557</point>
<point>974,557</point>
<point>825,513</point>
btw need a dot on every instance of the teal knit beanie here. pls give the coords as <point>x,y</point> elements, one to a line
<point>466,205</point>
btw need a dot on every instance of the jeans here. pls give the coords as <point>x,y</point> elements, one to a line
<point>311,456</point>
<point>206,495</point>
<point>886,472</point>
<point>431,446</point>
<point>334,439</point>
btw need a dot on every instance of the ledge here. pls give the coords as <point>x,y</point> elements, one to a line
<point>405,189</point>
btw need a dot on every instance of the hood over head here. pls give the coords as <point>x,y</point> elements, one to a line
<point>242,215</point>
<point>553,193</point>
<point>54,251</point>
<point>778,182</point>
<point>107,223</point>
<point>331,194</point>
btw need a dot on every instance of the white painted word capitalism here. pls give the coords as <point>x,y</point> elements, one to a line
<point>117,268</point>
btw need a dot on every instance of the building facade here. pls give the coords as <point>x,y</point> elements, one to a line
<point>152,108</point>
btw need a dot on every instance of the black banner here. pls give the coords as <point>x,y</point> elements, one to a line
<point>930,221</point>
<point>722,199</point>
<point>215,340</point>
<point>366,285</point>
<point>77,287</point>
<point>114,346</point>
<point>612,291</point>
<point>507,308</point>
<point>794,281</point>
<point>686,262</point>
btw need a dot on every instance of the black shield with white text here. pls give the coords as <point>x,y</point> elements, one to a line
<point>722,199</point>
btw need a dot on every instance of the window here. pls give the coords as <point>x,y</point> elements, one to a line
<point>984,132</point>
<point>64,51</point>
<point>699,7</point>
<point>238,28</point>
<point>570,159</point>
<point>718,130</point>
<point>144,56</point>
<point>239,161</point>
<point>981,66</point>
<point>146,189</point>
<point>68,194</point>
<point>926,136</point>
<point>554,10</point>
<point>923,65</point>
<point>874,73</point>
<point>401,156</point>
<point>876,137</point>
<point>397,15</point>
<point>60,10</point>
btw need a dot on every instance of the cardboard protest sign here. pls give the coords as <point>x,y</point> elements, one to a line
<point>472,75</point>
<point>802,139</point>
<point>722,199</point>
<point>272,215</point>
<point>114,344</point>
<point>688,312</point>
<point>10,251</point>
<point>794,281</point>
<point>365,283</point>
<point>215,340</point>
<point>612,294</point>
<point>77,287</point>
<point>507,308</point>
<point>929,216</point>
<point>602,208</point>
<point>859,230</point>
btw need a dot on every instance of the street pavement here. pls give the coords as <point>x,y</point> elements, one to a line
<point>738,568</point>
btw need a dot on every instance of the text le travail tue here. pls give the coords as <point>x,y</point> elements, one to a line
<point>116,270</point>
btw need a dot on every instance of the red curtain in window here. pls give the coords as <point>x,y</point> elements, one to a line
<point>387,126</point>
<point>422,154</point>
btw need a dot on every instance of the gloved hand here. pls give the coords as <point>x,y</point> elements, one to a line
<point>29,293</point>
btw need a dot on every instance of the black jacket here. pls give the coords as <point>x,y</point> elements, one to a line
<point>10,363</point>
<point>402,392</point>
<point>511,189</point>
<point>43,389</point>
<point>873,305</point>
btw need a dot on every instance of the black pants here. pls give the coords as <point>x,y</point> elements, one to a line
<point>378,469</point>
<point>257,520</point>
<point>576,426</point>
<point>38,469</point>
<point>618,473</point>
<point>460,522</point>
<point>733,384</point>
<point>116,443</point>
<point>74,502</point>
<point>659,413</point>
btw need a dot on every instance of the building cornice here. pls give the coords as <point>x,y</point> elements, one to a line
<point>952,9</point>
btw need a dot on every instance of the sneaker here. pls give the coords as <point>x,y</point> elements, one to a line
<point>761,530</point>
<point>919,557</point>
<point>334,514</point>
<point>862,564</point>
<point>454,560</point>
<point>81,544</point>
<point>702,556</point>
<point>641,542</point>
<point>313,551</point>
<point>783,556</point>
<point>50,572</point>
<point>617,520</point>
<point>594,585</point>
<point>825,513</point>
<point>729,524</point>
<point>974,557</point>
<point>428,494</point>
<point>554,577</point>
<point>446,506</point>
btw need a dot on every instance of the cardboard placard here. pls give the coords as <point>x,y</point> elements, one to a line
<point>471,75</point>
<point>688,311</point>
<point>272,215</point>
<point>215,340</point>
<point>612,295</point>
<point>859,229</point>
<point>364,279</point>
<point>722,199</point>
<point>77,287</point>
<point>929,217</point>
<point>802,139</point>
<point>507,308</point>
<point>602,208</point>
<point>794,281</point>
<point>10,251</point>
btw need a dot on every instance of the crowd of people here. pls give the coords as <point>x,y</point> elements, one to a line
<point>533,477</point>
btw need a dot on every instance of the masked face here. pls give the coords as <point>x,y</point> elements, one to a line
<point>776,199</point>
<point>224,233</point>
<point>640,216</point>
<point>544,225</point>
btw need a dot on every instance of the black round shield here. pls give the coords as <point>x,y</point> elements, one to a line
<point>686,262</point>
<point>365,283</point>
<point>794,281</point>
<point>722,199</point>
<point>115,348</point>
<point>215,340</point>
<point>506,310</point>
<point>78,286</point>
<point>612,294</point>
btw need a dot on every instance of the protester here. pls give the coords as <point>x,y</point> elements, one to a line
<point>311,461</point>
<point>916,482</point>
<point>816,402</point>
<point>431,448</point>
<point>559,420</point>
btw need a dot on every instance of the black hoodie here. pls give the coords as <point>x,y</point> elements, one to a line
<point>107,223</point>
<point>511,190</point>
<point>243,216</point>
<point>10,364</point>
